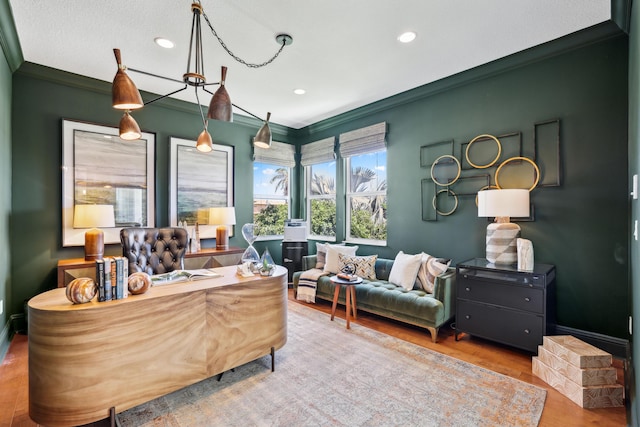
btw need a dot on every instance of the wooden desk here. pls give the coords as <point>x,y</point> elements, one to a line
<point>85,359</point>
<point>69,269</point>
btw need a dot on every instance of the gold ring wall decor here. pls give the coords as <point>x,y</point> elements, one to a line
<point>526,159</point>
<point>435,163</point>
<point>455,206</point>
<point>466,153</point>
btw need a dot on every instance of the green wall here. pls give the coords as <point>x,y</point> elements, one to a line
<point>581,227</point>
<point>42,97</point>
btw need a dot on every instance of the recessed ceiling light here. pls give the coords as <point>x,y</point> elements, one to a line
<point>165,43</point>
<point>407,37</point>
<point>299,91</point>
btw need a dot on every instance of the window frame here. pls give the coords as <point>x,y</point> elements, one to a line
<point>269,197</point>
<point>309,197</point>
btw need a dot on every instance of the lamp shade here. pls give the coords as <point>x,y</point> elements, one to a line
<point>204,142</point>
<point>90,216</point>
<point>124,93</point>
<point>263,137</point>
<point>222,216</point>
<point>220,107</point>
<point>129,129</point>
<point>503,203</point>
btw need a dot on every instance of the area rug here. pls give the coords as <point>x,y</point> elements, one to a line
<point>327,375</point>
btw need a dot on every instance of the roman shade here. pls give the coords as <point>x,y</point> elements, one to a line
<point>364,140</point>
<point>321,151</point>
<point>279,154</point>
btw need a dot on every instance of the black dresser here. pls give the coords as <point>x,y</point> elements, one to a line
<point>503,304</point>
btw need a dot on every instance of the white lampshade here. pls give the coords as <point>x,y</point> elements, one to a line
<point>90,216</point>
<point>222,216</point>
<point>503,203</point>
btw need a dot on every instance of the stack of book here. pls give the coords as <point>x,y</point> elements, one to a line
<point>112,275</point>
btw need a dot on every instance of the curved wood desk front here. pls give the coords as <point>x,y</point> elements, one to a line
<point>85,359</point>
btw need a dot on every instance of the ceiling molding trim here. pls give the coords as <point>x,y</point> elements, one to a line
<point>9,40</point>
<point>577,40</point>
<point>65,78</point>
<point>621,14</point>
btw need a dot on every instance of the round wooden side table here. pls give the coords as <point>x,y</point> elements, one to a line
<point>350,297</point>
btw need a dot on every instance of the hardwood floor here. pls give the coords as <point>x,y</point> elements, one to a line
<point>558,411</point>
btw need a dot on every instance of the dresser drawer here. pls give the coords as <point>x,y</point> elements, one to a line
<point>516,328</point>
<point>519,297</point>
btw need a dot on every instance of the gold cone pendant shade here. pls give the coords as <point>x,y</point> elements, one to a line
<point>220,106</point>
<point>124,93</point>
<point>204,143</point>
<point>129,128</point>
<point>263,137</point>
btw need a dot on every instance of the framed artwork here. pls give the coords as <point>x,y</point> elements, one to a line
<point>197,182</point>
<point>99,168</point>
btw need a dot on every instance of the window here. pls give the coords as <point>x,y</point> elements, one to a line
<point>366,178</point>
<point>271,188</point>
<point>321,200</point>
<point>318,159</point>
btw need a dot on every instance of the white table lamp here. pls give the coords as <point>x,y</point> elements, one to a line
<point>502,235</point>
<point>222,217</point>
<point>92,217</point>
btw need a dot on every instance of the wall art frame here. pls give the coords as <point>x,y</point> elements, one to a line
<point>100,168</point>
<point>199,181</point>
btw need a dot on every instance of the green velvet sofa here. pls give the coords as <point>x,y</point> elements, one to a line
<point>380,297</point>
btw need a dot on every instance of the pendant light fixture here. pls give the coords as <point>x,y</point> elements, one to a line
<point>125,95</point>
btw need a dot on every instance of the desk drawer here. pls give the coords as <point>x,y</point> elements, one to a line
<point>511,296</point>
<point>516,328</point>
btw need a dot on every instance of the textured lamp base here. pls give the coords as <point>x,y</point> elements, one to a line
<point>222,238</point>
<point>93,244</point>
<point>502,243</point>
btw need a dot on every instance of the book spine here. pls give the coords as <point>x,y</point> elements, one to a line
<point>125,277</point>
<point>119,277</point>
<point>107,279</point>
<point>100,280</point>
<point>114,278</point>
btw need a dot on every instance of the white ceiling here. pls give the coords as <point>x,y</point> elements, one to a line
<point>344,52</point>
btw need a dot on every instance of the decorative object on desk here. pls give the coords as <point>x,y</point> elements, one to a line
<point>223,217</point>
<point>502,235</point>
<point>81,290</point>
<point>525,255</point>
<point>250,232</point>
<point>267,265</point>
<point>245,269</point>
<point>139,283</point>
<point>93,217</point>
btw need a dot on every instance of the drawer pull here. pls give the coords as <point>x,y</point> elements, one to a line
<point>467,317</point>
<point>527,299</point>
<point>468,289</point>
<point>526,331</point>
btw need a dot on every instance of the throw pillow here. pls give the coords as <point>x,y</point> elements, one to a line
<point>321,255</point>
<point>405,270</point>
<point>365,266</point>
<point>331,263</point>
<point>430,268</point>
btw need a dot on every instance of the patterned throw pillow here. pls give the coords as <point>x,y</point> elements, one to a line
<point>331,264</point>
<point>365,266</point>
<point>321,255</point>
<point>430,268</point>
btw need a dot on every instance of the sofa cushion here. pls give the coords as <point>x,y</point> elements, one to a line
<point>321,255</point>
<point>364,266</point>
<point>430,268</point>
<point>405,270</point>
<point>331,265</point>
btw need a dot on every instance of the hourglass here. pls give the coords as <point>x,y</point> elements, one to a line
<point>250,233</point>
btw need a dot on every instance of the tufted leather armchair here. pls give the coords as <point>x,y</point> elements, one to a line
<point>154,250</point>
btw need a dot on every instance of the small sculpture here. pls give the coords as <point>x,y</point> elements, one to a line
<point>81,290</point>
<point>525,255</point>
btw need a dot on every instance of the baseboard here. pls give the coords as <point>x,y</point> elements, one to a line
<point>5,340</point>
<point>617,347</point>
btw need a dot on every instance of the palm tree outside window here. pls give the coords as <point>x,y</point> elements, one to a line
<point>271,185</point>
<point>321,200</point>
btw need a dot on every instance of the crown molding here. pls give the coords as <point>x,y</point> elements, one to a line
<point>571,42</point>
<point>9,37</point>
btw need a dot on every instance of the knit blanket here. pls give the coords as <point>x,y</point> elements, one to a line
<point>307,284</point>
